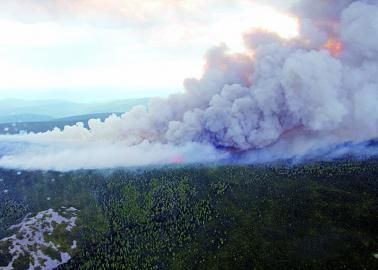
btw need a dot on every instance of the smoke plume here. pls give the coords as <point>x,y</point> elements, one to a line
<point>282,99</point>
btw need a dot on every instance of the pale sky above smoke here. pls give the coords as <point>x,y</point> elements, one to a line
<point>114,49</point>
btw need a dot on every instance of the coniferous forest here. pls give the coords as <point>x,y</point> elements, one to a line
<point>314,216</point>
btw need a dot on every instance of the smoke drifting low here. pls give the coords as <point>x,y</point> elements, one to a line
<point>282,99</point>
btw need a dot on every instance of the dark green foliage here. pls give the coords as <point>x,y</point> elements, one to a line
<point>11,211</point>
<point>5,257</point>
<point>22,262</point>
<point>61,237</point>
<point>316,216</point>
<point>148,223</point>
<point>52,253</point>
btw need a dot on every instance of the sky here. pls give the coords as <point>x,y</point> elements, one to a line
<point>94,50</point>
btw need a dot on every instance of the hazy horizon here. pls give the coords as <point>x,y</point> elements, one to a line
<point>87,96</point>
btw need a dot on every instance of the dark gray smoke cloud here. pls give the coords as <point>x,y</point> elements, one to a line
<point>283,99</point>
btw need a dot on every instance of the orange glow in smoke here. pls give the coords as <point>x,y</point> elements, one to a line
<point>178,159</point>
<point>334,46</point>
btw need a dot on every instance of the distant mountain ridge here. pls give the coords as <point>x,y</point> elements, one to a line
<point>18,118</point>
<point>42,126</point>
<point>17,110</point>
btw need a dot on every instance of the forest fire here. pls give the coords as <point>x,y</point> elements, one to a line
<point>179,159</point>
<point>277,99</point>
<point>334,46</point>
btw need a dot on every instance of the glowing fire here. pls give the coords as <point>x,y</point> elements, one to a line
<point>178,159</point>
<point>334,46</point>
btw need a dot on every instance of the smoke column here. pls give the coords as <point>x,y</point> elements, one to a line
<point>281,99</point>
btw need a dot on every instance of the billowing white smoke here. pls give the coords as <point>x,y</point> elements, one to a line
<point>282,99</point>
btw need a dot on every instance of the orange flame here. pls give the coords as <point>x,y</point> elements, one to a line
<point>334,46</point>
